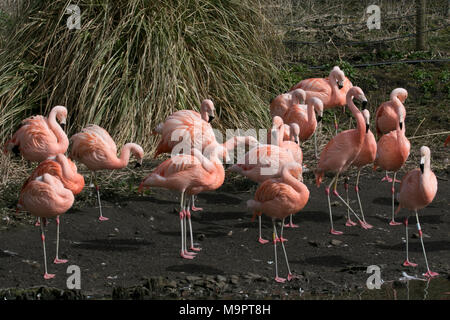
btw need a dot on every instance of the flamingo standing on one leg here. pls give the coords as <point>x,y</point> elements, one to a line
<point>386,117</point>
<point>342,150</point>
<point>365,157</point>
<point>46,197</point>
<point>190,175</point>
<point>63,169</point>
<point>332,90</point>
<point>279,198</point>
<point>392,152</point>
<point>417,190</point>
<point>39,138</point>
<point>282,103</point>
<point>95,148</point>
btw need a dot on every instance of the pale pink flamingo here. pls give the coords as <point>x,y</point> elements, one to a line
<point>279,198</point>
<point>364,157</point>
<point>95,148</point>
<point>417,190</point>
<point>342,150</point>
<point>392,152</point>
<point>332,90</point>
<point>45,197</point>
<point>386,117</point>
<point>305,117</point>
<point>39,138</point>
<point>281,104</point>
<point>63,169</point>
<point>190,175</point>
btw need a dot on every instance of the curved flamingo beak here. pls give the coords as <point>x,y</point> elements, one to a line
<point>210,118</point>
<point>319,118</point>
<point>137,165</point>
<point>367,127</point>
<point>364,105</point>
<point>401,125</point>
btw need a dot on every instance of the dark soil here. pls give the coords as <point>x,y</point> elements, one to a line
<point>136,253</point>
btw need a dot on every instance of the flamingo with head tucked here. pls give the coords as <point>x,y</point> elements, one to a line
<point>45,197</point>
<point>417,190</point>
<point>282,103</point>
<point>95,148</point>
<point>342,150</point>
<point>39,138</point>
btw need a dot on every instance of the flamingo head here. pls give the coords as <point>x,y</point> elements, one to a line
<point>366,115</point>
<point>338,75</point>
<point>356,92</point>
<point>138,153</point>
<point>294,132</point>
<point>318,107</point>
<point>298,96</point>
<point>61,115</point>
<point>207,110</point>
<point>401,118</point>
<point>400,93</point>
<point>425,154</point>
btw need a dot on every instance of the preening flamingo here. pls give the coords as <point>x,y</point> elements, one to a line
<point>342,150</point>
<point>417,190</point>
<point>392,152</point>
<point>281,104</point>
<point>365,156</point>
<point>189,175</point>
<point>95,148</point>
<point>39,138</point>
<point>279,198</point>
<point>45,197</point>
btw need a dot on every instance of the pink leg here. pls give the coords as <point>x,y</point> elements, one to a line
<point>57,260</point>
<point>46,274</point>
<point>260,239</point>
<point>277,278</point>
<point>188,215</point>
<point>407,263</point>
<point>429,273</point>
<point>327,191</point>
<point>393,222</point>
<point>38,222</point>
<point>101,217</point>
<point>194,208</point>
<point>291,223</point>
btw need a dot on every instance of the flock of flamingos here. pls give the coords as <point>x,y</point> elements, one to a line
<point>50,189</point>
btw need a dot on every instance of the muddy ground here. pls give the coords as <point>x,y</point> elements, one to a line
<point>135,253</point>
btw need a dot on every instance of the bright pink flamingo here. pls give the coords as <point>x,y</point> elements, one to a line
<point>364,157</point>
<point>417,190</point>
<point>45,197</point>
<point>95,148</point>
<point>39,138</point>
<point>386,117</point>
<point>279,198</point>
<point>342,150</point>
<point>63,169</point>
<point>189,175</point>
<point>281,104</point>
<point>392,152</point>
<point>305,117</point>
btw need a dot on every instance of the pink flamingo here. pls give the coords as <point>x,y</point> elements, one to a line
<point>279,198</point>
<point>189,175</point>
<point>281,104</point>
<point>342,150</point>
<point>305,117</point>
<point>392,152</point>
<point>95,148</point>
<point>39,138</point>
<point>364,157</point>
<point>417,190</point>
<point>63,169</point>
<point>332,90</point>
<point>45,197</point>
<point>386,117</point>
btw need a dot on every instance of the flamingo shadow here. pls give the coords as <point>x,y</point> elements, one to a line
<point>195,269</point>
<point>112,244</point>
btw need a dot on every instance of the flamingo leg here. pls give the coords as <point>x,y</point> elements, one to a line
<point>281,239</point>
<point>386,177</point>
<point>343,201</point>
<point>38,222</point>
<point>182,214</point>
<point>188,214</point>
<point>393,222</point>
<point>327,191</point>
<point>260,239</point>
<point>407,263</point>
<point>349,222</point>
<point>194,208</point>
<point>57,259</point>
<point>291,223</point>
<point>429,273</point>
<point>101,217</point>
<point>90,182</point>
<point>46,274</point>
<point>290,275</point>
<point>366,225</point>
<point>274,238</point>
<point>335,123</point>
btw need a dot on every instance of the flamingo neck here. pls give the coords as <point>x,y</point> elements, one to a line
<point>66,169</point>
<point>61,137</point>
<point>124,158</point>
<point>311,115</point>
<point>360,122</point>
<point>290,180</point>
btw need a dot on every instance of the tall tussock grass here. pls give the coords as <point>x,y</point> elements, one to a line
<point>132,63</point>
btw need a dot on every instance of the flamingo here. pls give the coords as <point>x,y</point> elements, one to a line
<point>281,104</point>
<point>189,175</point>
<point>332,90</point>
<point>45,197</point>
<point>305,117</point>
<point>95,148</point>
<point>365,157</point>
<point>278,198</point>
<point>386,116</point>
<point>63,169</point>
<point>417,190</point>
<point>342,150</point>
<point>39,138</point>
<point>392,152</point>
